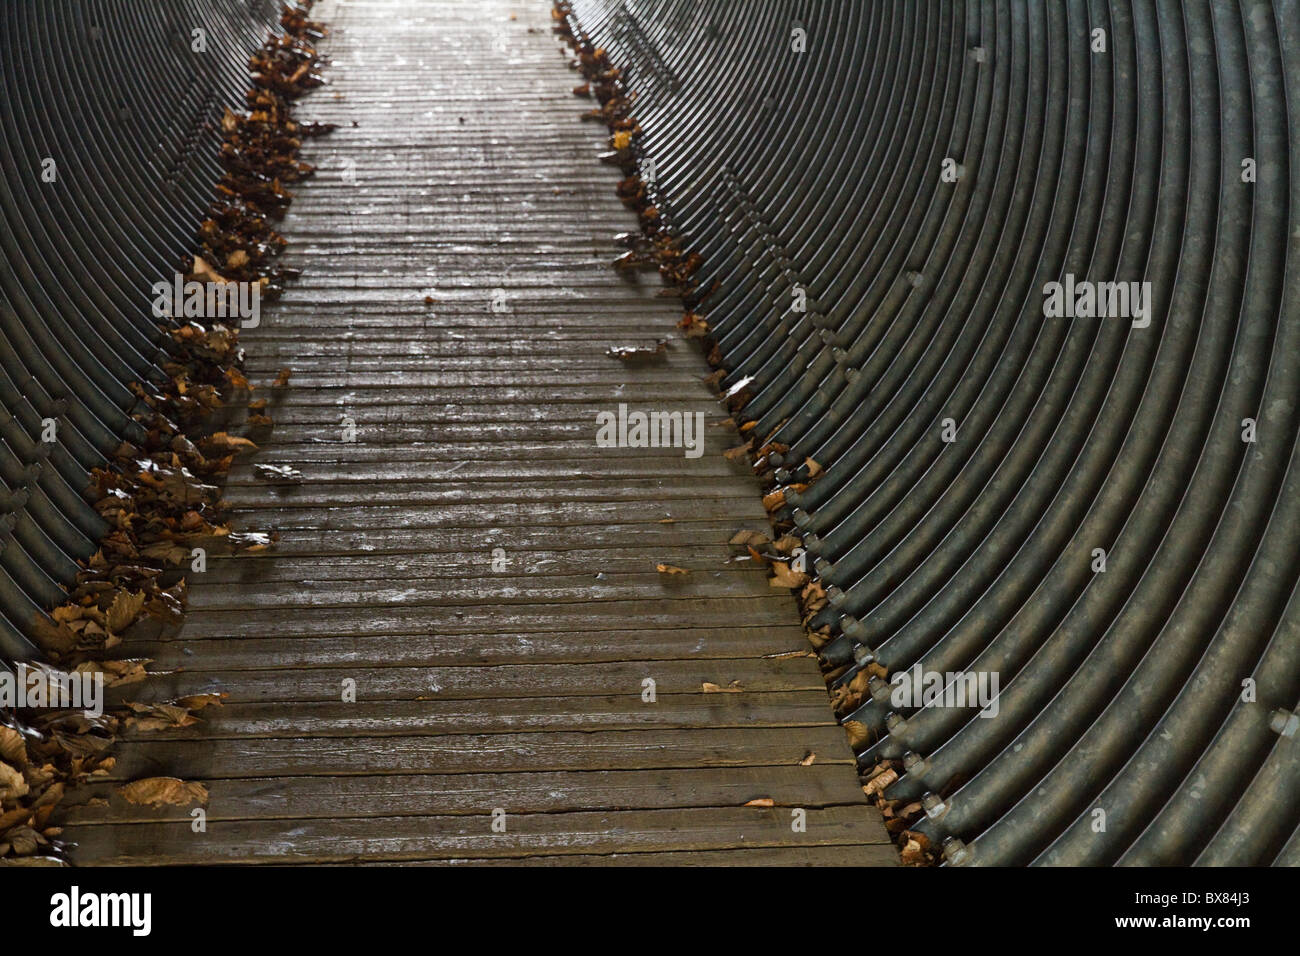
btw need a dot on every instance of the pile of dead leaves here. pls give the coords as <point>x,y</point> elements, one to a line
<point>656,247</point>
<point>161,495</point>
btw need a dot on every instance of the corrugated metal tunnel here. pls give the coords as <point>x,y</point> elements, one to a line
<point>1011,290</point>
<point>110,156</point>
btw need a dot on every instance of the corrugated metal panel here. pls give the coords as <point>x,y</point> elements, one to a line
<point>106,165</point>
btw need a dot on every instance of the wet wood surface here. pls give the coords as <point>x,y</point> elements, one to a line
<point>514,687</point>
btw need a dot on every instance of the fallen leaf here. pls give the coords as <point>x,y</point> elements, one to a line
<point>761,802</point>
<point>225,443</point>
<point>163,791</point>
<point>670,569</point>
<point>279,474</point>
<point>163,716</point>
<point>912,854</point>
<point>632,354</point>
<point>125,608</point>
<point>203,272</point>
<point>879,782</point>
<point>859,735</point>
<point>751,539</point>
<point>13,747</point>
<point>12,784</point>
<point>783,577</point>
<point>734,687</point>
<point>694,326</point>
<point>808,760</point>
<point>200,701</point>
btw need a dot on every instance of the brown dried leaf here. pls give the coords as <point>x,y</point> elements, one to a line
<point>203,272</point>
<point>163,791</point>
<point>912,854</point>
<point>859,735</point>
<point>880,781</point>
<point>783,577</point>
<point>125,608</point>
<point>12,784</point>
<point>735,687</point>
<point>223,443</point>
<point>200,701</point>
<point>749,539</point>
<point>13,747</point>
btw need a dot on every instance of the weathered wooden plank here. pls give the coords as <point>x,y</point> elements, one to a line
<point>367,718</point>
<point>481,586</point>
<point>487,682</point>
<point>423,509</point>
<point>288,797</point>
<point>717,747</point>
<point>847,855</point>
<point>654,534</point>
<point>574,502</point>
<point>524,563</point>
<point>395,649</point>
<point>333,460</point>
<point>443,837</point>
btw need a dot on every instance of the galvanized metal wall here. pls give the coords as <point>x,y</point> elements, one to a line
<point>980,455</point>
<point>107,162</point>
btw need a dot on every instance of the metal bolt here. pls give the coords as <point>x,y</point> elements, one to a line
<point>934,805</point>
<point>852,628</point>
<point>914,763</point>
<point>957,853</point>
<point>1284,722</point>
<point>879,689</point>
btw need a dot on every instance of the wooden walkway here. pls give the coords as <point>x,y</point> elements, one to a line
<point>468,179</point>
